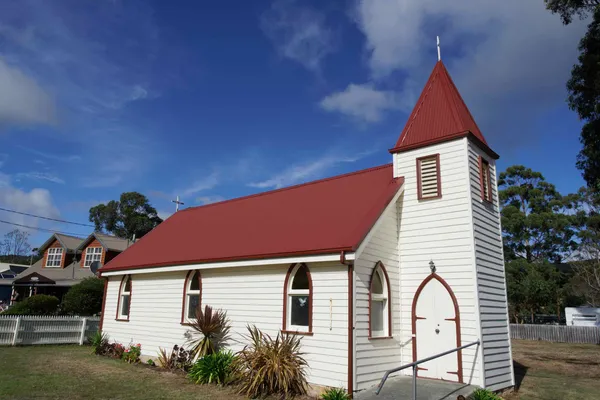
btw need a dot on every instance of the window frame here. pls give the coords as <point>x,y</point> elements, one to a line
<point>185,303</point>
<point>288,292</point>
<point>122,293</point>
<point>93,256</point>
<point>58,252</point>
<point>485,168</point>
<point>386,333</point>
<point>438,195</point>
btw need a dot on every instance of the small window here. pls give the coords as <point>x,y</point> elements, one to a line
<point>298,300</point>
<point>485,179</point>
<point>54,257</point>
<point>192,296</point>
<point>92,254</point>
<point>429,184</point>
<point>379,304</point>
<point>124,299</point>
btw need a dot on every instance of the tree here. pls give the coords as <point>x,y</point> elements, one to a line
<point>40,304</point>
<point>584,85</point>
<point>15,246</point>
<point>587,268</point>
<point>529,289</point>
<point>569,8</point>
<point>535,220</point>
<point>131,215</point>
<point>85,298</point>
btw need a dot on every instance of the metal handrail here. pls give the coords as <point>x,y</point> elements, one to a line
<point>414,367</point>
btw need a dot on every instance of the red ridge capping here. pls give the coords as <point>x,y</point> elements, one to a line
<point>439,115</point>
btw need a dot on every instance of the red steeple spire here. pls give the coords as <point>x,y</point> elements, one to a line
<point>439,115</point>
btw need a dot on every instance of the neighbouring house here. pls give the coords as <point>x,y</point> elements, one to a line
<point>8,272</point>
<point>375,269</point>
<point>66,262</point>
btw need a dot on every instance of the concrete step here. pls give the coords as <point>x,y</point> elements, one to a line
<point>400,388</point>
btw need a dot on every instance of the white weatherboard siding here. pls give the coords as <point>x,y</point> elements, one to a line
<point>491,284</point>
<point>374,357</point>
<point>439,230</point>
<point>252,295</point>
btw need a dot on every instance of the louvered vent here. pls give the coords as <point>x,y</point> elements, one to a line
<point>429,177</point>
<point>485,180</point>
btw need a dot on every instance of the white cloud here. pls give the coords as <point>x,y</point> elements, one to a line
<point>209,199</point>
<point>40,176</point>
<point>35,201</point>
<point>51,156</point>
<point>23,101</point>
<point>304,172</point>
<point>162,214</point>
<point>65,48</point>
<point>510,59</point>
<point>362,102</point>
<point>205,183</point>
<point>298,32</point>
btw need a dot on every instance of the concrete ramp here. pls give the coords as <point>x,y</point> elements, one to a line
<point>400,388</point>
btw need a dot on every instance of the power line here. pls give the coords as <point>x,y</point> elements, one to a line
<point>46,218</point>
<point>39,229</point>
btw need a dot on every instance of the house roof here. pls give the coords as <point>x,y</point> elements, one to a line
<point>321,217</point>
<point>439,115</point>
<point>67,276</point>
<point>109,242</point>
<point>70,243</point>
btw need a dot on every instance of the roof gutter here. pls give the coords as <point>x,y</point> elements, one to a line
<point>231,264</point>
<point>350,264</point>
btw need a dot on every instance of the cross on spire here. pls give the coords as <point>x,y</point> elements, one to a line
<point>439,49</point>
<point>177,203</point>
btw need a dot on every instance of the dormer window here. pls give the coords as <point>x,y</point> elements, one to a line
<point>429,185</point>
<point>54,257</point>
<point>92,254</point>
<point>485,179</point>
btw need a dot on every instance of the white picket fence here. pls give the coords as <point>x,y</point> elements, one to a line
<point>556,333</point>
<point>30,329</point>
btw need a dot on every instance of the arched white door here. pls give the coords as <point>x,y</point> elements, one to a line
<point>436,323</point>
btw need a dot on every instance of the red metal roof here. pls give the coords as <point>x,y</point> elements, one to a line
<point>439,115</point>
<point>321,217</point>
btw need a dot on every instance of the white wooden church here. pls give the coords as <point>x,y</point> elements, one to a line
<point>376,268</point>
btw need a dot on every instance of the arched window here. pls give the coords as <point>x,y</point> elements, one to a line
<point>124,299</point>
<point>380,311</point>
<point>192,296</point>
<point>297,301</point>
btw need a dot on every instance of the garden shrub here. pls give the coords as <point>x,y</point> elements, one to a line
<point>335,394</point>
<point>116,350</point>
<point>132,354</point>
<point>40,304</point>
<point>270,366</point>
<point>85,298</point>
<point>213,368</point>
<point>210,332</point>
<point>484,394</point>
<point>177,359</point>
<point>100,343</point>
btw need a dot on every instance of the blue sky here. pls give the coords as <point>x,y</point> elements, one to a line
<point>214,100</point>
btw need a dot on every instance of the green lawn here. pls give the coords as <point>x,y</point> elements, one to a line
<point>544,371</point>
<point>72,372</point>
<point>558,371</point>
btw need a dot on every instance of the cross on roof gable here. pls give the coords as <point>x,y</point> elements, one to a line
<point>439,115</point>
